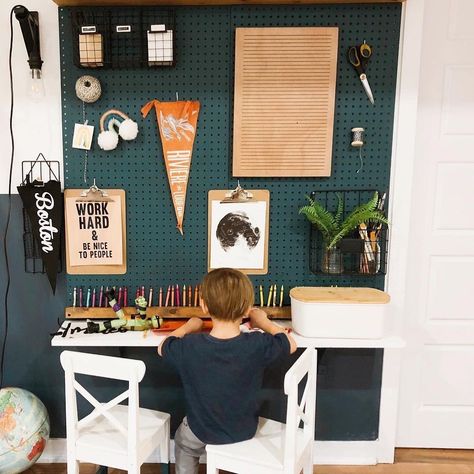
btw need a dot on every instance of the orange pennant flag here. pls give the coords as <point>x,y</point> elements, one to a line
<point>177,122</point>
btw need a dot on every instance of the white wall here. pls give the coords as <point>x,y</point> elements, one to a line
<point>37,126</point>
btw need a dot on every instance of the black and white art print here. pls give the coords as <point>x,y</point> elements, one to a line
<point>237,235</point>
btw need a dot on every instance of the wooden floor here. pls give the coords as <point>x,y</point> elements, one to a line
<point>408,461</point>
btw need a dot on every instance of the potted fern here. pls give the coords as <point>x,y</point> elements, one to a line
<point>334,227</point>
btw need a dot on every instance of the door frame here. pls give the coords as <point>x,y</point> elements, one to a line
<point>400,205</point>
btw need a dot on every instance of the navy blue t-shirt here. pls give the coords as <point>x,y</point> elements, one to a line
<point>221,379</point>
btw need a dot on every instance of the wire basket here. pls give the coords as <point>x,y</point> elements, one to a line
<point>361,252</point>
<point>128,37</point>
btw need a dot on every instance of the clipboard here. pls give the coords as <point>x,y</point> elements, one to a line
<point>95,195</point>
<point>234,198</point>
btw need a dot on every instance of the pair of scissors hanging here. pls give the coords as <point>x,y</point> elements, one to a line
<point>359,58</point>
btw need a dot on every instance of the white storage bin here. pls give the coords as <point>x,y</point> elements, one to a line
<point>357,313</point>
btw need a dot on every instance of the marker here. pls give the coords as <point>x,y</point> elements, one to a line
<point>160,301</point>
<point>93,298</point>
<point>184,295</point>
<point>281,296</point>
<point>261,296</point>
<point>74,297</point>
<point>167,296</point>
<point>125,297</point>
<point>150,298</point>
<point>80,296</point>
<point>269,300</point>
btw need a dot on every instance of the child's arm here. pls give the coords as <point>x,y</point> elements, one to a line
<point>191,325</point>
<point>259,319</point>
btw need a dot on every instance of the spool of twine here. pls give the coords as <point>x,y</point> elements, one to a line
<point>88,89</point>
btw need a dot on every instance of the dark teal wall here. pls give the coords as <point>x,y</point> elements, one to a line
<point>348,380</point>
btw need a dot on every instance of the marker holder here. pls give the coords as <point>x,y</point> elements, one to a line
<point>167,312</point>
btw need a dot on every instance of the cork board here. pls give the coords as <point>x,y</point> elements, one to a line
<point>284,97</point>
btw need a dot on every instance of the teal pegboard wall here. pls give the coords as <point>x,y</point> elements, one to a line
<point>157,254</point>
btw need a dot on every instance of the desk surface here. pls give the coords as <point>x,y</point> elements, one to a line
<point>70,338</point>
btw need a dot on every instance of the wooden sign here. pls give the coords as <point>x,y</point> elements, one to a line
<point>95,233</point>
<point>284,96</point>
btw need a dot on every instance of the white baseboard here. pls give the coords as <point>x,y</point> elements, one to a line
<point>325,452</point>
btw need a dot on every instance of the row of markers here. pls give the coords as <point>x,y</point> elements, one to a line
<point>172,296</point>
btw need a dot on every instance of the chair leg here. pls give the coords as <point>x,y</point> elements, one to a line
<point>73,467</point>
<point>211,467</point>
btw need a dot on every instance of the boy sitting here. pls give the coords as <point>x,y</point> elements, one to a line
<point>222,371</point>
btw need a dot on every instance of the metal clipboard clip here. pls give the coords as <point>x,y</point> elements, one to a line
<point>94,194</point>
<point>239,194</point>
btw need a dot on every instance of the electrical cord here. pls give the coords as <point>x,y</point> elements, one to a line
<point>9,209</point>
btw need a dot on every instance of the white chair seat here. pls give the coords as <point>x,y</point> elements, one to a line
<point>112,442</point>
<point>266,448</point>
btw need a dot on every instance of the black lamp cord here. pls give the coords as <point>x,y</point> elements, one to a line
<point>7,224</point>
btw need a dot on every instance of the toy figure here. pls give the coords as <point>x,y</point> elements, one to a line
<point>135,322</point>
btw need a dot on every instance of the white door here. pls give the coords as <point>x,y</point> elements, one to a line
<point>437,379</point>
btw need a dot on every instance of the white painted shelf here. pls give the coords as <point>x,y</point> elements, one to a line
<point>153,339</point>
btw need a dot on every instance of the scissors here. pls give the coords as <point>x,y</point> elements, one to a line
<point>359,58</point>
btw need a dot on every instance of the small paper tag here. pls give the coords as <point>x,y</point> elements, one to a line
<point>83,135</point>
<point>88,29</point>
<point>157,28</point>
<point>123,28</point>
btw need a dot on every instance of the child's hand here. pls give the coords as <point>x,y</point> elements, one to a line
<point>258,318</point>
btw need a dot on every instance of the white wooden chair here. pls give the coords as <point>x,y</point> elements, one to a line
<point>112,435</point>
<point>277,447</point>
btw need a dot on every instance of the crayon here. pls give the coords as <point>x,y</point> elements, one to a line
<point>196,295</point>
<point>160,301</point>
<point>74,297</point>
<point>270,291</point>
<point>274,294</point>
<point>80,296</point>
<point>190,296</point>
<point>172,295</point>
<point>125,297</point>
<point>119,299</point>
<point>150,298</point>
<point>101,294</point>
<point>281,296</point>
<point>184,295</point>
<point>93,298</point>
<point>261,296</point>
<point>88,298</point>
<point>167,296</point>
<point>178,299</point>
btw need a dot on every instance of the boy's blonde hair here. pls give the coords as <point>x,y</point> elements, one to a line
<point>227,293</point>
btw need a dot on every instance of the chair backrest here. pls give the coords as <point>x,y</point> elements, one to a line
<point>304,410</point>
<point>116,368</point>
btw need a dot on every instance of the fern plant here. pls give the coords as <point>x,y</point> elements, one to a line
<point>332,227</point>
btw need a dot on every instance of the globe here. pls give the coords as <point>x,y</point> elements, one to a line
<point>24,429</point>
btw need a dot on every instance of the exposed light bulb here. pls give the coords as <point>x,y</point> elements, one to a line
<point>35,85</point>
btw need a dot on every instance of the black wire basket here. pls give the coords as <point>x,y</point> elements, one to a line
<point>127,37</point>
<point>361,252</point>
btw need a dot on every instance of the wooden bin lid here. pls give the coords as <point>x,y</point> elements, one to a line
<point>323,294</point>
